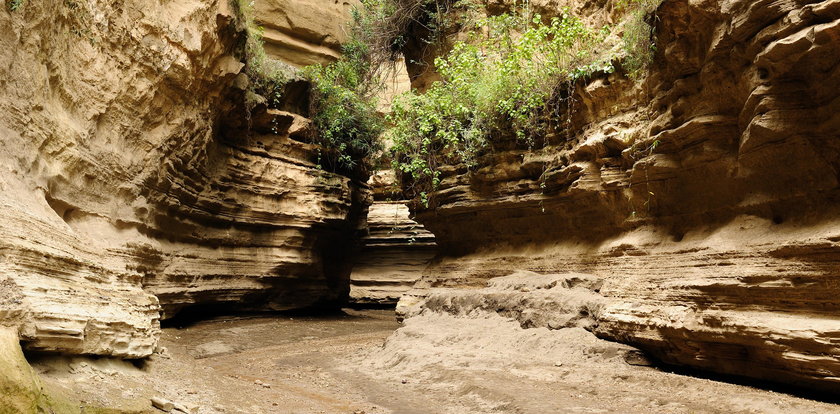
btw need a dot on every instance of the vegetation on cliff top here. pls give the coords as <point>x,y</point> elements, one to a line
<point>637,39</point>
<point>509,80</point>
<point>267,77</point>
<point>504,82</point>
<point>343,104</point>
<point>14,5</point>
<point>342,93</point>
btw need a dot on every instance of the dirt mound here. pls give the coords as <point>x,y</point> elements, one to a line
<point>470,349</point>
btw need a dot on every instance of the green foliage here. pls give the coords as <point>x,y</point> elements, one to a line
<point>14,5</point>
<point>267,76</point>
<point>371,35</point>
<point>637,40</point>
<point>344,114</point>
<point>498,85</point>
<point>343,103</point>
<point>392,24</point>
<point>505,83</point>
<point>343,109</point>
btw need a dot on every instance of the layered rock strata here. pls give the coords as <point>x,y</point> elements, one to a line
<point>523,343</point>
<point>303,32</point>
<point>132,183</point>
<point>703,194</point>
<point>268,230</point>
<point>396,252</point>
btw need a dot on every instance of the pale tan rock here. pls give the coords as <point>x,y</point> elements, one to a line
<point>185,408</point>
<point>303,32</point>
<point>131,183</point>
<point>396,82</point>
<point>703,195</point>
<point>163,404</point>
<point>395,253</point>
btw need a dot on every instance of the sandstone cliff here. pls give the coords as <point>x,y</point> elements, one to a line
<point>132,183</point>
<point>303,32</point>
<point>703,194</point>
<point>396,251</point>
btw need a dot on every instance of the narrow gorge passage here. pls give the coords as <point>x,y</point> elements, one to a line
<point>419,206</point>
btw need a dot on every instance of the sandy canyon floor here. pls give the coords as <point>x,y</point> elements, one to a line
<point>354,362</point>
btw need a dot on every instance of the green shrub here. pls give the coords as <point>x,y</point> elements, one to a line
<point>637,40</point>
<point>505,83</point>
<point>267,77</point>
<point>343,108</point>
<point>14,5</point>
<point>343,101</point>
<point>496,86</point>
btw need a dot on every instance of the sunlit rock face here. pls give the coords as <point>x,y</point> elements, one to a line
<point>396,252</point>
<point>134,186</point>
<point>718,244</point>
<point>303,32</point>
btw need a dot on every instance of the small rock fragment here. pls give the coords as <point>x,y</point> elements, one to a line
<point>638,358</point>
<point>163,352</point>
<point>186,408</point>
<point>162,404</point>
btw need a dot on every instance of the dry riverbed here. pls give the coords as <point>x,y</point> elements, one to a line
<point>437,363</point>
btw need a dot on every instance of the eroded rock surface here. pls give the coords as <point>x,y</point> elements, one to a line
<point>303,32</point>
<point>524,343</point>
<point>704,195</point>
<point>131,184</point>
<point>396,251</point>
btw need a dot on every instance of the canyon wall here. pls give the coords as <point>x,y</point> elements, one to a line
<point>396,250</point>
<point>703,196</point>
<point>303,32</point>
<point>135,185</point>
